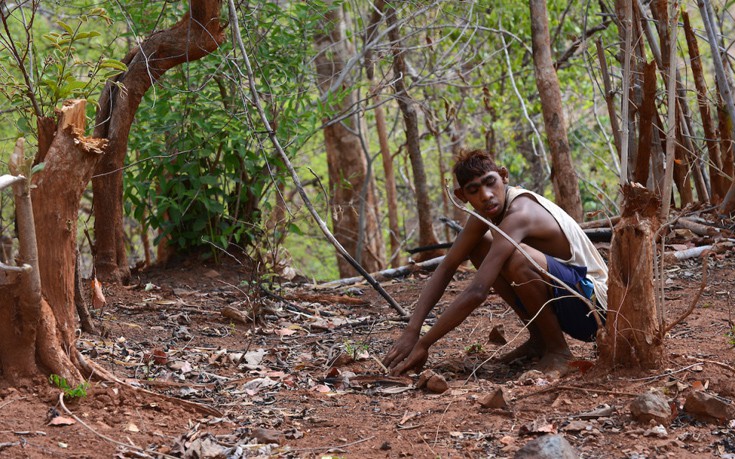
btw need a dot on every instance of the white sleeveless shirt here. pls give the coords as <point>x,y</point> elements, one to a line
<point>583,251</point>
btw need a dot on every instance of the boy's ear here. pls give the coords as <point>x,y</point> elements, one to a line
<point>459,193</point>
<point>504,174</point>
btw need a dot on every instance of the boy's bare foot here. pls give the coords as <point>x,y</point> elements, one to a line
<point>555,362</point>
<point>531,349</point>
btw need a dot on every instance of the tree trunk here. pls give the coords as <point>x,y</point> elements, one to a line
<point>633,338</point>
<point>647,113</point>
<point>717,180</point>
<point>566,188</point>
<point>346,158</point>
<point>391,194</point>
<point>38,335</point>
<point>196,35</point>
<point>427,236</point>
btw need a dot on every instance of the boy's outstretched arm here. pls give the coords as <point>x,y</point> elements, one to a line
<point>457,312</point>
<point>430,295</point>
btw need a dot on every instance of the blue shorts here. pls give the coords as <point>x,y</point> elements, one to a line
<point>572,313</point>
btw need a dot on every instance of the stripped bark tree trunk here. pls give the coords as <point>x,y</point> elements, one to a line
<point>566,188</point>
<point>427,236</point>
<point>633,337</point>
<point>346,158</point>
<point>645,138</point>
<point>196,35</point>
<point>38,322</point>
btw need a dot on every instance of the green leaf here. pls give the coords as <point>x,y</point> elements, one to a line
<point>113,64</point>
<point>64,26</point>
<point>83,35</point>
<point>292,228</point>
<point>38,168</point>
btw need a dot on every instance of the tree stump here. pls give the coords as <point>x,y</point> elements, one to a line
<point>634,330</point>
<point>37,313</point>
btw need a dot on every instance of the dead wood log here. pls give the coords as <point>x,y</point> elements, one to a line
<point>634,338</point>
<point>694,252</point>
<point>601,223</point>
<point>386,274</point>
<point>697,228</point>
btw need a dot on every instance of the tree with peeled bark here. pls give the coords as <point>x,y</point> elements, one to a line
<point>38,313</point>
<point>564,179</point>
<point>196,35</point>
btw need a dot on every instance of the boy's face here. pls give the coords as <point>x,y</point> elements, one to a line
<point>486,193</point>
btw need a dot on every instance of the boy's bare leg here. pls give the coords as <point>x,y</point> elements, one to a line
<point>533,347</point>
<point>534,291</point>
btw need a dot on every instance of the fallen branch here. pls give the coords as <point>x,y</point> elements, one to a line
<point>694,252</point>
<point>386,274</point>
<point>577,388</point>
<point>697,228</point>
<point>294,176</point>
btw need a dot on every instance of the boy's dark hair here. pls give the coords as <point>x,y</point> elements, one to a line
<point>472,163</point>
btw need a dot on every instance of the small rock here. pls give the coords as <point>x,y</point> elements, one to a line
<point>532,377</point>
<point>656,431</point>
<point>651,406</point>
<point>497,335</point>
<point>577,426</point>
<point>385,446</point>
<point>708,407</point>
<point>432,381</point>
<point>266,436</point>
<point>211,274</point>
<point>498,399</point>
<point>547,447</point>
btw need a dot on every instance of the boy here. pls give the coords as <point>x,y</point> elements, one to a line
<point>548,234</point>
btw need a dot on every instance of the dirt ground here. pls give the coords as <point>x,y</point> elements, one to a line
<point>305,381</point>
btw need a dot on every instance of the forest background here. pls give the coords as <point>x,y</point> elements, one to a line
<point>369,101</point>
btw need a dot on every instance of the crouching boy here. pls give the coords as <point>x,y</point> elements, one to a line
<point>548,234</point>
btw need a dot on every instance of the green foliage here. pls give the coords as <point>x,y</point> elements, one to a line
<point>200,173</point>
<point>356,349</point>
<point>39,74</point>
<point>79,391</point>
<point>475,348</point>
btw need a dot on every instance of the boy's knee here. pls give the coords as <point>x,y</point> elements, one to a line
<point>517,268</point>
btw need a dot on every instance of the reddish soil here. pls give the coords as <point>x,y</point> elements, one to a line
<point>285,387</point>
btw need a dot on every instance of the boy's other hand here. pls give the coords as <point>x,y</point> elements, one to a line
<point>400,349</point>
<point>415,360</point>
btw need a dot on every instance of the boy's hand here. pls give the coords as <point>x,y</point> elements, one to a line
<point>400,349</point>
<point>415,360</point>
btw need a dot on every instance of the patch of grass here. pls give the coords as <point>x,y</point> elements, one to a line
<point>475,348</point>
<point>354,349</point>
<point>80,391</point>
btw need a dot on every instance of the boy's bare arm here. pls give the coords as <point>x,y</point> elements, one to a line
<point>470,298</point>
<point>434,289</point>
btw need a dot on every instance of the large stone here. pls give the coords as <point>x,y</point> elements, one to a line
<point>649,406</point>
<point>498,399</point>
<point>547,447</point>
<point>433,382</point>
<point>707,407</point>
